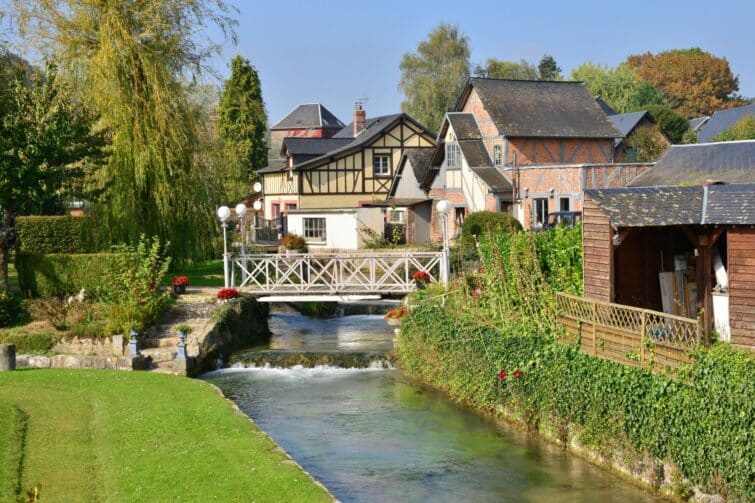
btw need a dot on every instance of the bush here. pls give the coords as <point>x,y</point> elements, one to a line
<point>62,275</point>
<point>12,308</point>
<point>744,129</point>
<point>487,222</point>
<point>56,234</point>
<point>29,342</point>
<point>293,242</point>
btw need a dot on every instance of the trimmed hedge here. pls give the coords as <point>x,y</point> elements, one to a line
<point>29,342</point>
<point>481,223</point>
<point>58,275</point>
<point>54,234</point>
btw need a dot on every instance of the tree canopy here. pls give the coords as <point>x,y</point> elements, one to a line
<point>620,87</point>
<point>548,68</point>
<point>673,125</point>
<point>743,129</point>
<point>433,77</point>
<point>130,61</point>
<point>242,120</point>
<point>694,81</point>
<point>499,69</point>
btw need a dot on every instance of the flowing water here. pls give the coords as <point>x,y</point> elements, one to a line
<point>374,435</point>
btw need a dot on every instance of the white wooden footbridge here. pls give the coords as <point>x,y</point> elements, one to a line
<point>333,276</point>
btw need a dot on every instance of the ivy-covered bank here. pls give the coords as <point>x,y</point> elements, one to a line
<point>494,344</point>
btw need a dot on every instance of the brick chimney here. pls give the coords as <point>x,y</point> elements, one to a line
<point>360,118</point>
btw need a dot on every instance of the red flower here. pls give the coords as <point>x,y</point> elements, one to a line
<point>396,313</point>
<point>517,373</point>
<point>180,281</point>
<point>228,293</point>
<point>421,276</point>
<point>481,269</point>
<point>476,293</point>
<point>502,375</point>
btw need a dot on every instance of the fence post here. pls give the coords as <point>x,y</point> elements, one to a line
<point>643,318</point>
<point>594,329</point>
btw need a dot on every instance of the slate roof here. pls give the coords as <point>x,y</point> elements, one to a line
<point>604,106</point>
<point>465,126</point>
<point>722,120</point>
<point>420,158</point>
<point>728,162</point>
<point>697,123</point>
<point>309,115</point>
<point>274,166</point>
<point>348,130</point>
<point>663,206</point>
<point>375,127</point>
<point>398,201</point>
<point>312,146</point>
<point>626,123</point>
<point>524,108</point>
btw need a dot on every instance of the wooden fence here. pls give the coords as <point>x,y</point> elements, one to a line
<point>629,335</point>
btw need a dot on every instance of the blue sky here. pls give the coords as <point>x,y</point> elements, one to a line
<point>333,52</point>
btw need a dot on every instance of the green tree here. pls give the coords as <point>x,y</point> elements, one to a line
<point>743,129</point>
<point>671,123</point>
<point>130,61</point>
<point>45,139</point>
<point>513,70</point>
<point>645,144</point>
<point>620,87</point>
<point>694,81</point>
<point>242,121</point>
<point>433,77</point>
<point>548,69</point>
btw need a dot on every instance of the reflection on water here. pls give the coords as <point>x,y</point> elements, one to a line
<point>372,435</point>
<point>347,333</point>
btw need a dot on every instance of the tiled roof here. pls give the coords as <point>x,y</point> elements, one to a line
<point>728,162</point>
<point>309,115</point>
<point>420,158</point>
<point>274,166</point>
<point>527,108</point>
<point>348,130</point>
<point>465,126</point>
<point>663,206</point>
<point>604,106</point>
<point>697,123</point>
<point>722,120</point>
<point>312,146</point>
<point>625,123</point>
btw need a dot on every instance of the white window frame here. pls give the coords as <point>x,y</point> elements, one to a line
<point>381,168</point>
<point>544,216</point>
<point>497,155</point>
<point>453,155</point>
<point>400,213</point>
<point>315,228</point>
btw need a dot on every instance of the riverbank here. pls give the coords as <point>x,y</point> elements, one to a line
<point>92,436</point>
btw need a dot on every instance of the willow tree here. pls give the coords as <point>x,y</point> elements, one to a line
<point>130,60</point>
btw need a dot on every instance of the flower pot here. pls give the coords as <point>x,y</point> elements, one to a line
<point>179,289</point>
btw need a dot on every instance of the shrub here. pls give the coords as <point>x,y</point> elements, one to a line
<point>55,234</point>
<point>29,342</point>
<point>293,242</point>
<point>61,275</point>
<point>12,308</point>
<point>482,223</point>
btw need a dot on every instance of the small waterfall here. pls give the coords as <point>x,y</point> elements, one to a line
<point>285,359</point>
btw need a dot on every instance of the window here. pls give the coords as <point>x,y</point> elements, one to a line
<point>564,204</point>
<point>453,155</point>
<point>497,155</point>
<point>539,211</point>
<point>290,206</point>
<point>382,165</point>
<point>314,229</point>
<point>397,216</point>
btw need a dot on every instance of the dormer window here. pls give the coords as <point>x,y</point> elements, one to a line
<point>453,154</point>
<point>497,155</point>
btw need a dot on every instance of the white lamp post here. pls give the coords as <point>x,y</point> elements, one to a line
<point>444,207</point>
<point>224,213</point>
<point>241,212</point>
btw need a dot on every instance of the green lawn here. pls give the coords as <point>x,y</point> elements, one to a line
<point>208,273</point>
<point>120,436</point>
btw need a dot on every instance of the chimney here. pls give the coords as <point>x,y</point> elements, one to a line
<point>360,118</point>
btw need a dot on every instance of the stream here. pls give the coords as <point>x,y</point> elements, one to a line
<point>375,435</point>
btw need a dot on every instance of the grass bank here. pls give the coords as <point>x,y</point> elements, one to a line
<point>118,436</point>
<point>209,273</point>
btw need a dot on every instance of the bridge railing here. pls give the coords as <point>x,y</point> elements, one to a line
<point>331,274</point>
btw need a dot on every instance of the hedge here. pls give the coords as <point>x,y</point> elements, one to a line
<point>54,234</point>
<point>58,275</point>
<point>482,223</point>
<point>29,342</point>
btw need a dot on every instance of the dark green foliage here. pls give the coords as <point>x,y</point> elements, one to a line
<point>482,223</point>
<point>12,433</point>
<point>242,120</point>
<point>29,342</point>
<point>12,308</point>
<point>548,68</point>
<point>673,124</point>
<point>701,421</point>
<point>560,254</point>
<point>59,275</point>
<point>744,129</point>
<point>54,234</point>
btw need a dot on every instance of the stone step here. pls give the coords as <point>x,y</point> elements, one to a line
<point>163,368</point>
<point>159,355</point>
<point>161,342</point>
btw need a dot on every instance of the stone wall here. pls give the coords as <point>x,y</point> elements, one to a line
<point>82,362</point>
<point>100,346</point>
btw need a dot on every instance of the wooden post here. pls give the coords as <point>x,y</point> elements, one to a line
<point>594,329</point>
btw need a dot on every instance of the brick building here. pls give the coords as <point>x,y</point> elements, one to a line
<point>309,120</point>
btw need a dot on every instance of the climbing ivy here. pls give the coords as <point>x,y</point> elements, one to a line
<point>494,344</point>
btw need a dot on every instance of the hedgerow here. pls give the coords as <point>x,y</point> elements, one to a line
<point>500,350</point>
<point>55,234</point>
<point>58,275</point>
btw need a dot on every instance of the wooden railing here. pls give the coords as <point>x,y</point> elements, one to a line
<point>629,335</point>
<point>334,274</point>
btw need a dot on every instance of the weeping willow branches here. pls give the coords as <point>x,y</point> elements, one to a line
<point>130,59</point>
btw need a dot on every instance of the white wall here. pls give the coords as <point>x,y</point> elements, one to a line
<point>341,226</point>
